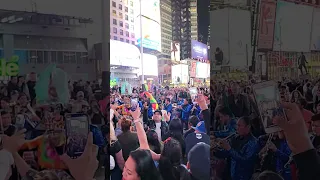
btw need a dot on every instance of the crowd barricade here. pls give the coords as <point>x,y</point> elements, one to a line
<point>286,64</point>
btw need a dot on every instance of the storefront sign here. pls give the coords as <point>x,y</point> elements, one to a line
<point>10,67</point>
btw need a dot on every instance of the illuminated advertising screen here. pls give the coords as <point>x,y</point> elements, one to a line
<point>180,74</point>
<point>151,30</point>
<point>131,58</point>
<point>292,27</point>
<point>175,51</point>
<point>150,65</point>
<point>315,37</point>
<point>202,70</point>
<point>199,50</point>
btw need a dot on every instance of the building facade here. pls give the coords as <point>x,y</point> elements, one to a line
<point>122,21</point>
<point>184,25</point>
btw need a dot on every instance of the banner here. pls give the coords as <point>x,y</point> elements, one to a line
<point>52,86</point>
<point>266,25</point>
<point>193,69</point>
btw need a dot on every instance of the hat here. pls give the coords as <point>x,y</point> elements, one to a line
<point>199,161</point>
<point>200,127</point>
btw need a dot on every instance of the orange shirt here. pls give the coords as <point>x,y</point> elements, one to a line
<point>47,156</point>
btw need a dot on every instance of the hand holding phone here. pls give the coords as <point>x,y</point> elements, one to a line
<point>267,97</point>
<point>77,130</point>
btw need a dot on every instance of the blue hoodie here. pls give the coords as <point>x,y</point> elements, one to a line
<point>230,128</point>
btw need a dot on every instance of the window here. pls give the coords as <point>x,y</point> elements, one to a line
<point>121,39</point>
<point>60,57</point>
<point>131,19</point>
<point>40,57</point>
<point>120,6</point>
<point>114,4</point>
<point>114,13</point>
<point>126,17</point>
<point>121,23</point>
<point>131,11</point>
<point>132,35</point>
<point>115,30</point>
<point>126,9</point>
<point>115,37</point>
<point>127,33</point>
<point>120,15</point>
<point>114,21</point>
<point>127,26</point>
<point>127,41</point>
<point>131,3</point>
<point>121,32</point>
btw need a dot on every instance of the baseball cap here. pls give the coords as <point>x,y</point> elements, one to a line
<point>199,161</point>
<point>200,127</point>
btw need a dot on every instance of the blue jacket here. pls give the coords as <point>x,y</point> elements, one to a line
<point>282,157</point>
<point>243,157</point>
<point>150,112</point>
<point>231,128</point>
<point>186,112</point>
<point>168,108</point>
<point>180,102</point>
<point>98,138</point>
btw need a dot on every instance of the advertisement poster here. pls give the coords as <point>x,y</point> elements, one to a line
<point>315,36</point>
<point>292,27</point>
<point>193,69</point>
<point>266,29</point>
<point>175,51</point>
<point>199,50</point>
<point>202,70</point>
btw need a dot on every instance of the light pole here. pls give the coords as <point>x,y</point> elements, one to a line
<point>105,61</point>
<point>141,45</point>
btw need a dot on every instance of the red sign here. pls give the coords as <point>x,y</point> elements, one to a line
<point>193,69</point>
<point>266,25</point>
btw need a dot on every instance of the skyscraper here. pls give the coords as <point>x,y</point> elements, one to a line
<point>166,32</point>
<point>184,25</point>
<point>122,21</point>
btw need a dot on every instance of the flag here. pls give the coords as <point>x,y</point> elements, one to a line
<point>52,78</point>
<point>145,87</point>
<point>153,101</point>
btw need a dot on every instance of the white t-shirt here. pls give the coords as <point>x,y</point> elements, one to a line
<point>158,130</point>
<point>6,160</point>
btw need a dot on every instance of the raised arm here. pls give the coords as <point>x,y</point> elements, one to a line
<point>140,130</point>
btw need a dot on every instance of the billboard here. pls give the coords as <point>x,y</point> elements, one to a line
<point>151,30</point>
<point>315,35</point>
<point>179,74</point>
<point>202,70</point>
<point>131,58</point>
<point>292,27</point>
<point>150,65</point>
<point>193,69</point>
<point>175,51</point>
<point>266,24</point>
<point>199,50</point>
<point>233,40</point>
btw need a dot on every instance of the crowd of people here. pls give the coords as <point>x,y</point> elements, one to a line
<point>34,137</point>
<point>173,133</point>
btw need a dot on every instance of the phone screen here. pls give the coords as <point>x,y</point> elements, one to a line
<point>77,130</point>
<point>267,96</point>
<point>134,104</point>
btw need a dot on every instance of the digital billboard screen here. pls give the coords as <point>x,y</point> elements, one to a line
<point>131,58</point>
<point>199,50</point>
<point>150,26</point>
<point>179,74</point>
<point>150,65</point>
<point>202,70</point>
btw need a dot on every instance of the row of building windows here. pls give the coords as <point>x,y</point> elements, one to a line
<point>114,4</point>
<point>123,40</point>
<point>126,25</point>
<point>126,17</point>
<point>123,33</point>
<point>44,57</point>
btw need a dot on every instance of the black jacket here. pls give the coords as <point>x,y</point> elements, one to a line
<point>164,128</point>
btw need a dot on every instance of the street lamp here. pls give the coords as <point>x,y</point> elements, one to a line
<point>141,46</point>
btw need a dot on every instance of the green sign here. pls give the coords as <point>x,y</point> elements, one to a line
<point>10,67</point>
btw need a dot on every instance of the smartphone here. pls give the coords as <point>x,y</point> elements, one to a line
<point>267,97</point>
<point>77,130</point>
<point>134,105</point>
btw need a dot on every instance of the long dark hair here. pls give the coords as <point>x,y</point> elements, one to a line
<point>145,166</point>
<point>153,141</point>
<point>170,161</point>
